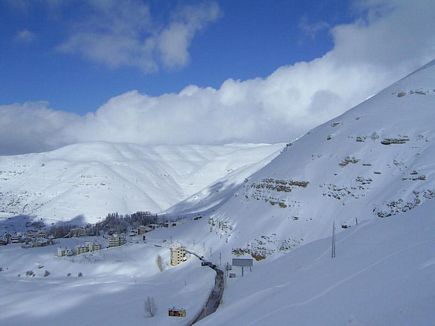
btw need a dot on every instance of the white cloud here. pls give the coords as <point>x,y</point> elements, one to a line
<point>24,36</point>
<point>173,41</point>
<point>32,127</point>
<point>311,29</point>
<point>123,33</point>
<point>390,40</point>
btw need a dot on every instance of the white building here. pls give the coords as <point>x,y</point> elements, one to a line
<point>61,252</point>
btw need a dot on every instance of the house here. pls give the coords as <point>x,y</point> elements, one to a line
<point>116,240</point>
<point>178,255</point>
<point>169,224</point>
<point>154,226</point>
<point>174,312</point>
<point>144,229</point>
<point>3,242</point>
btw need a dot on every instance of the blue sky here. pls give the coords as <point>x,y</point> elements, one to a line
<point>196,72</point>
<point>250,38</point>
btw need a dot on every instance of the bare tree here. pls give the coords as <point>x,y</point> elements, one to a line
<point>159,262</point>
<point>150,307</point>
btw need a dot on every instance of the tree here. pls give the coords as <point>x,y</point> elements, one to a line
<point>150,307</point>
<point>159,262</point>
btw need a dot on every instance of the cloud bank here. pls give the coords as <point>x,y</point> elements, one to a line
<point>391,39</point>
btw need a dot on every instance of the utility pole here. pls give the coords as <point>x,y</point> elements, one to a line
<point>220,258</point>
<point>333,241</point>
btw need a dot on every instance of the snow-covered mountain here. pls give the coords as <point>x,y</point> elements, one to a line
<point>93,179</point>
<point>374,161</point>
<point>372,172</point>
<point>374,165</point>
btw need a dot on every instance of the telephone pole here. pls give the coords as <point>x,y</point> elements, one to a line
<point>333,241</point>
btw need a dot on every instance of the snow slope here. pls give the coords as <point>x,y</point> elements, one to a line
<point>114,285</point>
<point>93,179</point>
<point>376,160</point>
<point>383,274</point>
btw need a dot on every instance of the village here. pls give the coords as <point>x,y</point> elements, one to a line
<point>38,235</point>
<point>91,241</point>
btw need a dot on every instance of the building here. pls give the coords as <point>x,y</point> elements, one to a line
<point>77,232</point>
<point>144,229</point>
<point>16,238</point>
<point>41,234</point>
<point>81,249</point>
<point>116,240</point>
<point>132,233</point>
<point>41,242</point>
<point>169,224</point>
<point>61,252</point>
<point>154,226</point>
<point>31,234</point>
<point>93,246</point>
<point>174,312</point>
<point>178,255</point>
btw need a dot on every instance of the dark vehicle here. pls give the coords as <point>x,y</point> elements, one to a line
<point>205,263</point>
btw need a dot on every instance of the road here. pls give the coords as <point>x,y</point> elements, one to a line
<point>215,297</point>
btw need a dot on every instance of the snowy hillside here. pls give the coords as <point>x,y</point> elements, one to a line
<point>93,179</point>
<point>106,287</point>
<point>383,274</point>
<point>374,161</point>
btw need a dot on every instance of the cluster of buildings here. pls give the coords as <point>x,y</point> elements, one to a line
<point>29,239</point>
<point>80,249</point>
<point>142,229</point>
<point>115,240</point>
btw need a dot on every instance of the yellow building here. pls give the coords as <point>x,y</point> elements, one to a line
<point>116,241</point>
<point>81,249</point>
<point>178,255</point>
<point>93,246</point>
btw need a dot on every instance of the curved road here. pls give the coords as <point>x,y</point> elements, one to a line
<point>215,296</point>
